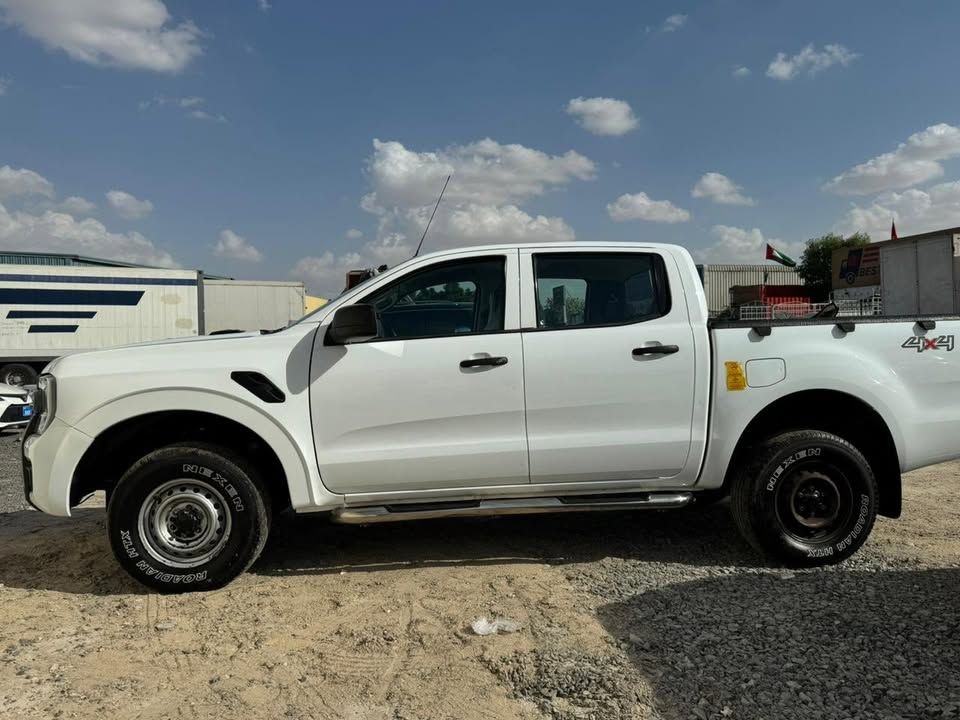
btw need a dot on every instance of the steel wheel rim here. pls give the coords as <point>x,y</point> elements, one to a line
<point>184,523</point>
<point>815,500</point>
<point>829,517</point>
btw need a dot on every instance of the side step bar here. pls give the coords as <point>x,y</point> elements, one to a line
<point>518,506</point>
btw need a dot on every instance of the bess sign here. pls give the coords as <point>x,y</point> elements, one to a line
<point>856,267</point>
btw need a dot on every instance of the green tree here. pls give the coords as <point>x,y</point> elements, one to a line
<point>815,266</point>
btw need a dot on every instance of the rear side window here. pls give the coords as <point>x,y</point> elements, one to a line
<point>593,289</point>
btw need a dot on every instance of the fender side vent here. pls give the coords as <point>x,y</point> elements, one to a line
<point>927,324</point>
<point>259,385</point>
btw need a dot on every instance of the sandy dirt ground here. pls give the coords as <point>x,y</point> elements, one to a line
<point>374,622</point>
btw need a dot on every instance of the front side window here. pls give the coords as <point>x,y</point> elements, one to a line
<point>453,298</point>
<point>591,289</point>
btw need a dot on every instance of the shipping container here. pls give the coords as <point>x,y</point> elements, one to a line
<point>718,279</point>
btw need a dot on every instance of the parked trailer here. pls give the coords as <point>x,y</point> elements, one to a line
<point>921,274</point>
<point>49,311</point>
<point>250,304</point>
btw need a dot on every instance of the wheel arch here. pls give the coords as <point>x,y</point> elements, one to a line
<point>841,414</point>
<point>136,424</point>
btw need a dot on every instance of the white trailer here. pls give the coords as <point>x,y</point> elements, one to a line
<point>921,274</point>
<point>250,304</point>
<point>49,311</point>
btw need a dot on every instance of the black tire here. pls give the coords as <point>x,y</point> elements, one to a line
<point>188,517</point>
<point>18,374</point>
<point>805,498</point>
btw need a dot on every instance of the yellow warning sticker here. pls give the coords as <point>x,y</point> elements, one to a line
<point>736,377</point>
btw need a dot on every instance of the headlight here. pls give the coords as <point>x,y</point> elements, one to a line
<point>45,402</point>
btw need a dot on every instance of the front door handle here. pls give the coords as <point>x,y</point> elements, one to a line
<point>655,350</point>
<point>482,361</point>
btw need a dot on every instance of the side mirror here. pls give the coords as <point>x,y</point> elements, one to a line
<point>353,323</point>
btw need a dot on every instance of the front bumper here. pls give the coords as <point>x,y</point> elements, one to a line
<point>49,462</point>
<point>12,415</point>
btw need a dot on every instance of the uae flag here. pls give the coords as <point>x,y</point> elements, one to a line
<point>777,256</point>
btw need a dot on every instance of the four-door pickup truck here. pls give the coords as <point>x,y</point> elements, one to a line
<point>497,380</point>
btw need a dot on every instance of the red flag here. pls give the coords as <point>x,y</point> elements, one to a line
<point>893,230</point>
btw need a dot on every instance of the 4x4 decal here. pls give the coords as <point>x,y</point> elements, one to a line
<point>915,342</point>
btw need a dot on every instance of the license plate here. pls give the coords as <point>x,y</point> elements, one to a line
<point>27,410</point>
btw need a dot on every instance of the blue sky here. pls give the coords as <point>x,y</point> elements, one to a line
<point>239,137</point>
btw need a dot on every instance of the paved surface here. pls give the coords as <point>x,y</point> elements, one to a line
<point>623,615</point>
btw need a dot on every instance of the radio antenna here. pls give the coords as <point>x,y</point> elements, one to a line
<point>432,214</point>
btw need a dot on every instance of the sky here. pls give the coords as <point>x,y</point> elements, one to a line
<point>286,139</point>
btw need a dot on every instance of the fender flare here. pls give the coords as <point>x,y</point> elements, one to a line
<point>298,462</point>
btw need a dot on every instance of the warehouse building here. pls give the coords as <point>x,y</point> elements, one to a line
<point>718,279</point>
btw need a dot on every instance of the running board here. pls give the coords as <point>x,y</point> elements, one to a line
<point>518,506</point>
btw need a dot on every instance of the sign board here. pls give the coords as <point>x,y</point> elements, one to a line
<point>856,267</point>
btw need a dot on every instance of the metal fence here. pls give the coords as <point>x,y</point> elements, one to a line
<point>787,311</point>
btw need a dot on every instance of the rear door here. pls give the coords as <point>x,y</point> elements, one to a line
<point>610,372</point>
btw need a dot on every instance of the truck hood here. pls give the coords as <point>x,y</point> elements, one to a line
<point>175,361</point>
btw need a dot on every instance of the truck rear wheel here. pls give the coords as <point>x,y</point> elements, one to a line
<point>806,498</point>
<point>188,517</point>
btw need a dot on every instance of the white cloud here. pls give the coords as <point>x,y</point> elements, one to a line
<point>809,60</point>
<point>483,203</point>
<point>5,84</point>
<point>484,172</point>
<point>204,115</point>
<point>484,224</point>
<point>127,206</point>
<point>742,71</point>
<point>915,211</point>
<point>236,247</point>
<point>674,22</point>
<point>60,232</point>
<point>354,234</point>
<point>135,34</point>
<point>20,181</point>
<point>640,206</point>
<point>720,189</point>
<point>914,161</point>
<point>193,106</point>
<point>77,206</point>
<point>603,116</point>
<point>738,245</point>
<point>325,274</point>
<point>264,5</point>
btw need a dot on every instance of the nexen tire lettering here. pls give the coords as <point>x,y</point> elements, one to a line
<point>787,462</point>
<point>216,477</point>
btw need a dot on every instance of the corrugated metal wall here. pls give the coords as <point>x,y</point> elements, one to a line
<point>718,279</point>
<point>9,258</point>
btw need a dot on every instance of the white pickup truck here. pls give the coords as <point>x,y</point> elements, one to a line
<point>496,380</point>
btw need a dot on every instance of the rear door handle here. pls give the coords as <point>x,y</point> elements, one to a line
<point>482,361</point>
<point>655,350</point>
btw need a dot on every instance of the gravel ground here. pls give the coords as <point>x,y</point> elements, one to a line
<point>11,491</point>
<point>642,615</point>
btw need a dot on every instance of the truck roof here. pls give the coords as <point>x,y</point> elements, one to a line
<point>567,244</point>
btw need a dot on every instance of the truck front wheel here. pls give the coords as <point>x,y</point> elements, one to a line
<point>188,517</point>
<point>805,498</point>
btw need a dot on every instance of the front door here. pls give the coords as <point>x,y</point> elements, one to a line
<point>609,365</point>
<point>436,400</point>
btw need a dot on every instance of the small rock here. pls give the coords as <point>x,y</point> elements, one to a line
<point>165,625</point>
